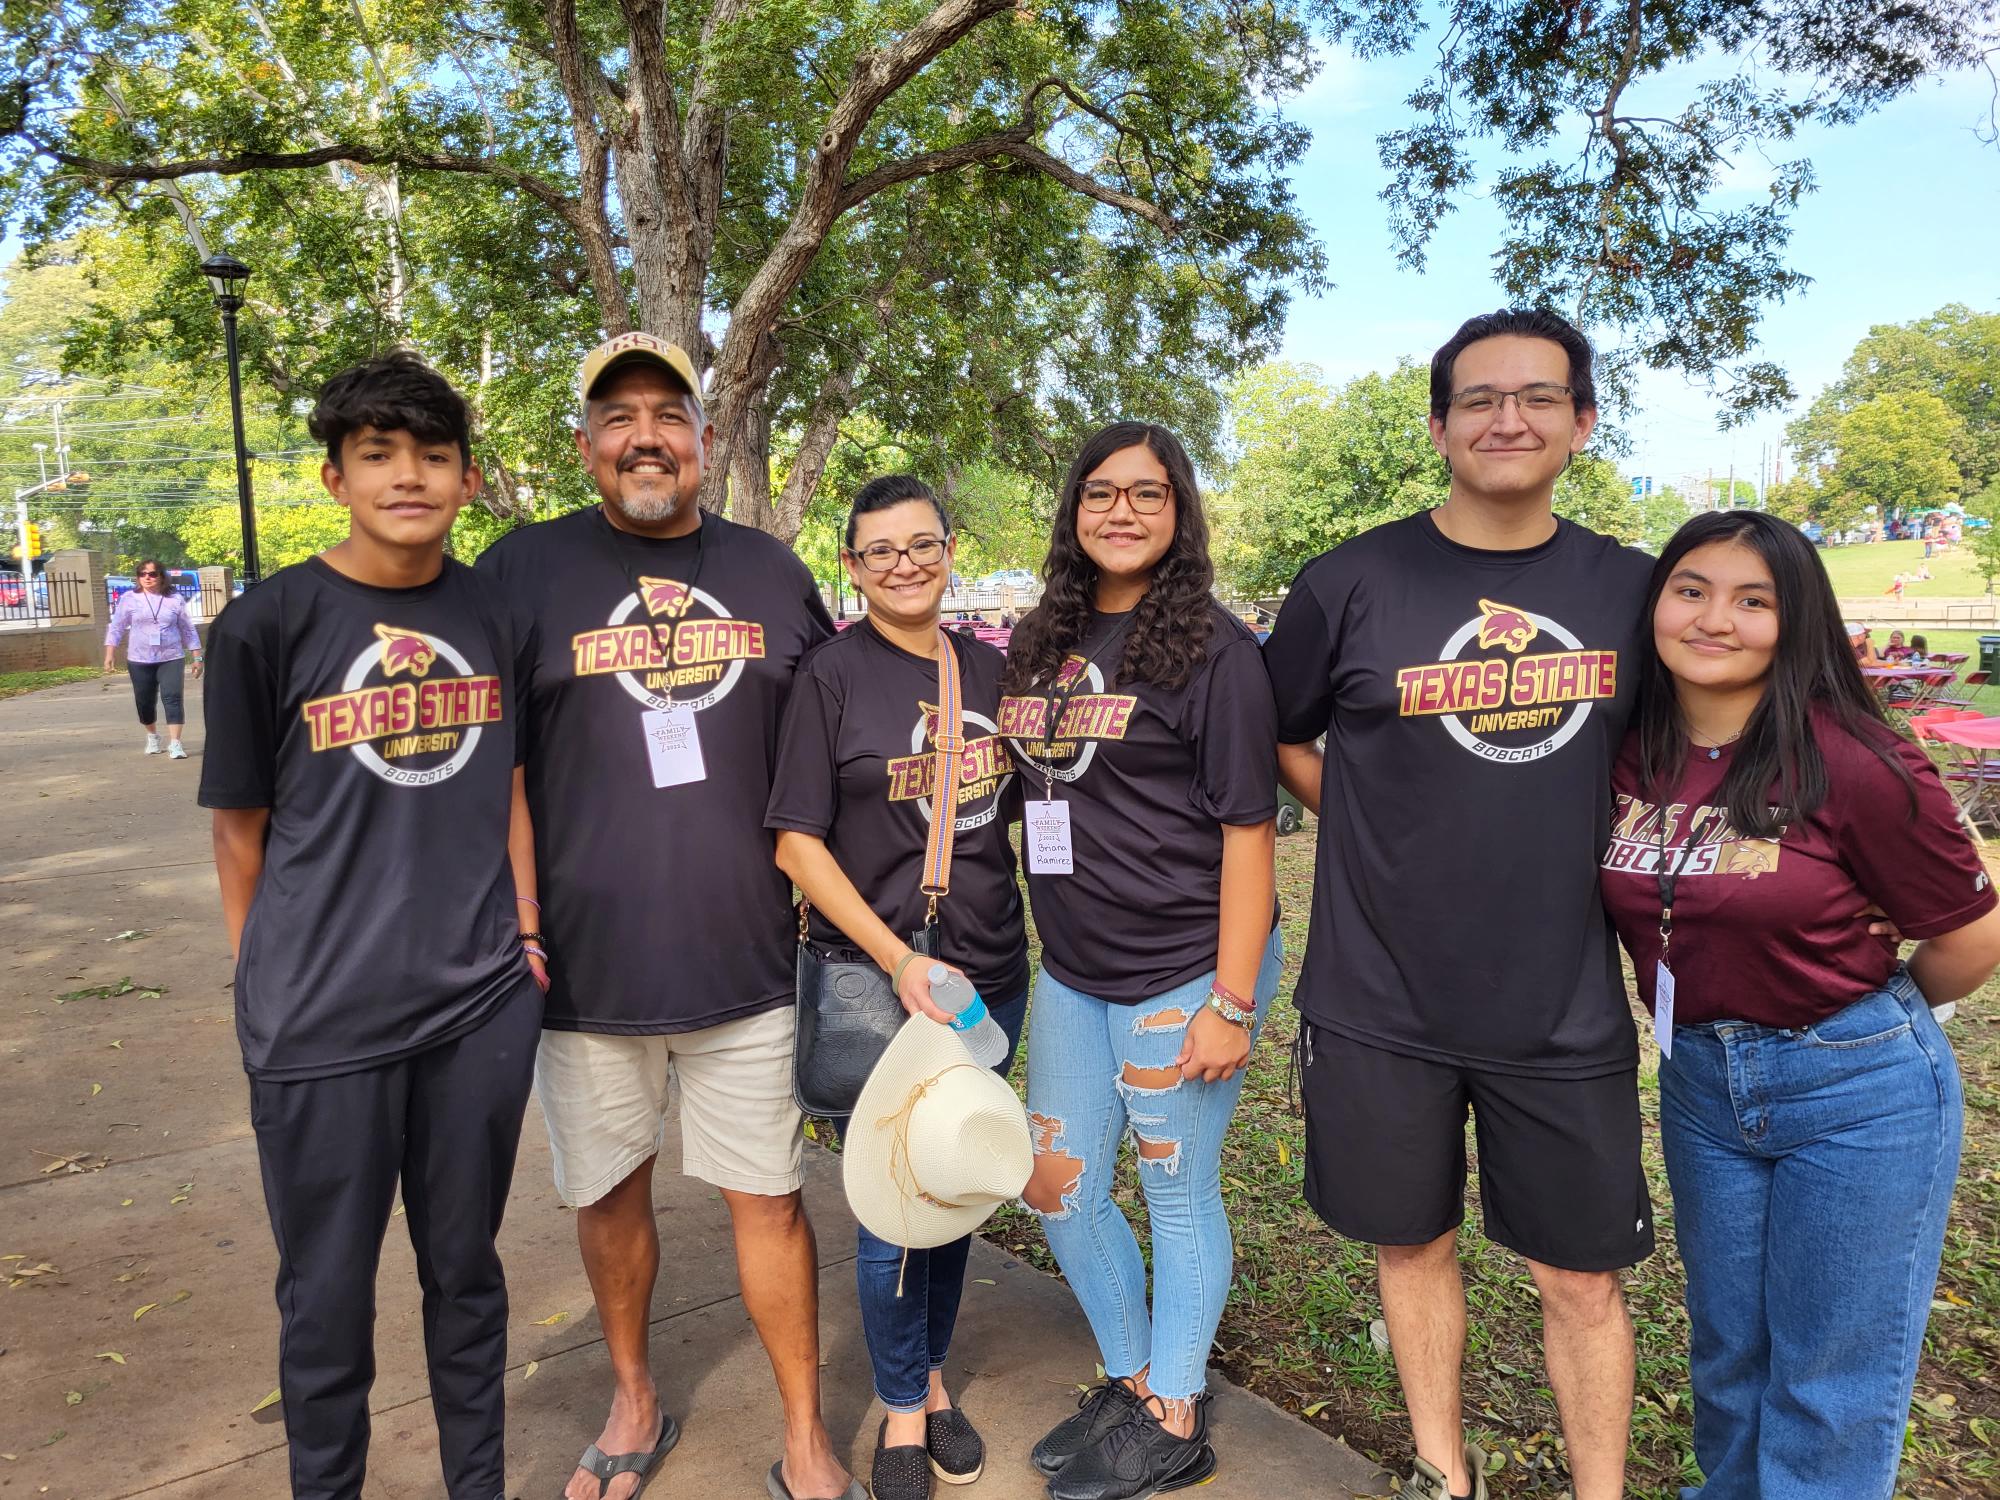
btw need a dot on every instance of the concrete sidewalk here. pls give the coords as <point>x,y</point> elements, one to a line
<point>133,1221</point>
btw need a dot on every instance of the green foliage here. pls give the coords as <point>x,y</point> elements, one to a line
<point>1954,355</point>
<point>1662,513</point>
<point>1986,539</point>
<point>1316,466</point>
<point>1895,453</point>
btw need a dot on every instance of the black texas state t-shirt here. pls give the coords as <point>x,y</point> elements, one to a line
<point>856,767</point>
<point>378,726</point>
<point>1150,776</point>
<point>664,906</point>
<point>1473,705</point>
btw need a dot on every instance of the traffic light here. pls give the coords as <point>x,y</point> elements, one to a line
<point>34,544</point>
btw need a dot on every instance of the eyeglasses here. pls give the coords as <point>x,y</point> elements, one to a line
<point>1484,401</point>
<point>880,557</point>
<point>148,573</point>
<point>1148,497</point>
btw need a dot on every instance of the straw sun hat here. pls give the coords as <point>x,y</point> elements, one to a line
<point>937,1142</point>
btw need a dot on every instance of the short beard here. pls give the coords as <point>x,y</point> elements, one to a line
<point>647,512</point>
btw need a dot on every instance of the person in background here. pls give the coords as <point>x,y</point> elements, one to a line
<point>1896,650</point>
<point>1144,700</point>
<point>1863,648</point>
<point>852,813</point>
<point>161,638</point>
<point>1920,649</point>
<point>1810,1105</point>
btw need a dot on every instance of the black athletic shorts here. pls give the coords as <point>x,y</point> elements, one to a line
<point>1560,1179</point>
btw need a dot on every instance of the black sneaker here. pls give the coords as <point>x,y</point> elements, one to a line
<point>900,1473</point>
<point>1098,1410</point>
<point>958,1453</point>
<point>1138,1458</point>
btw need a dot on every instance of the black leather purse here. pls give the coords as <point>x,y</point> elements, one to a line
<point>848,1010</point>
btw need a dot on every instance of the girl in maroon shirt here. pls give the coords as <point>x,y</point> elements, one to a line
<point>1810,1106</point>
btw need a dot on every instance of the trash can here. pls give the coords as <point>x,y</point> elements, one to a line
<point>1989,654</point>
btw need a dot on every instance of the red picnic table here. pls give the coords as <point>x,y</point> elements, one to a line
<point>1973,779</point>
<point>1920,686</point>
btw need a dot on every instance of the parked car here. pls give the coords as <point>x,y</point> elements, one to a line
<point>1007,578</point>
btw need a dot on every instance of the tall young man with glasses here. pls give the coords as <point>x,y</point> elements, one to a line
<point>658,650</point>
<point>1472,669</point>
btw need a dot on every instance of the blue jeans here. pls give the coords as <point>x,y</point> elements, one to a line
<point>909,1332</point>
<point>1081,1101</point>
<point>1812,1172</point>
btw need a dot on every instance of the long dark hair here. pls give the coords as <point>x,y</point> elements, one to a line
<point>1168,640</point>
<point>1812,669</point>
<point>166,583</point>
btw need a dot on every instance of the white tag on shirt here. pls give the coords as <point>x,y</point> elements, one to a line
<point>1663,1009</point>
<point>1046,832</point>
<point>673,742</point>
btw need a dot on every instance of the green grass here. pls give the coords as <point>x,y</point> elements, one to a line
<point>1296,1327</point>
<point>1864,571</point>
<point>13,684</point>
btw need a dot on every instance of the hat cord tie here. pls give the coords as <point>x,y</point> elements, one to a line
<point>900,1171</point>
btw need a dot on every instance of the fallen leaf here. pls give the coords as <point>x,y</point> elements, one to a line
<point>143,1311</point>
<point>10,1457</point>
<point>178,1198</point>
<point>55,1437</point>
<point>130,934</point>
<point>551,1320</point>
<point>1284,1153</point>
<point>119,1044</point>
<point>812,1133</point>
<point>72,1398</point>
<point>530,1367</point>
<point>271,1400</point>
<point>98,991</point>
<point>113,1355</point>
<point>986,1281</point>
<point>178,1297</point>
<point>82,1161</point>
<point>1316,1408</point>
<point>13,1257</point>
<point>124,1202</point>
<point>96,1089</point>
<point>398,1213</point>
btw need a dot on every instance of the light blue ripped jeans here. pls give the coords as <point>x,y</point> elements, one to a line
<point>1083,1055</point>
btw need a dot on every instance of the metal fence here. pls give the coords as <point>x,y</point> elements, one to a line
<point>43,600</point>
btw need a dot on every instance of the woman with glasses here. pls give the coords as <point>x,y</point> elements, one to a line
<point>852,804</point>
<point>161,636</point>
<point>1141,721</point>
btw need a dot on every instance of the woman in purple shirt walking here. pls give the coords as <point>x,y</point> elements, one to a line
<point>161,634</point>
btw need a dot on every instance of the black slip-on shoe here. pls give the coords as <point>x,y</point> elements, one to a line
<point>1136,1459</point>
<point>1098,1411</point>
<point>958,1453</point>
<point>899,1473</point>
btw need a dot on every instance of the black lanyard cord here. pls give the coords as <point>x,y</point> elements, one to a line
<point>1667,874</point>
<point>1060,695</point>
<point>664,642</point>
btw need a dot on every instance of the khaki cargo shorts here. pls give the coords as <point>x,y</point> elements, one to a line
<point>606,1100</point>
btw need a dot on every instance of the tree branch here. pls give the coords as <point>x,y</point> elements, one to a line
<point>592,218</point>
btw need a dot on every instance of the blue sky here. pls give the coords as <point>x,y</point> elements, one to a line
<point>1905,220</point>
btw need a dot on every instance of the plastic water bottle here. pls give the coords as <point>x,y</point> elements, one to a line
<point>952,992</point>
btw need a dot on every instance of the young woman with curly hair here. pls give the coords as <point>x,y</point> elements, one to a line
<point>1141,721</point>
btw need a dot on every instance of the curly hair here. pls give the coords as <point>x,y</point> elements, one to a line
<point>1168,640</point>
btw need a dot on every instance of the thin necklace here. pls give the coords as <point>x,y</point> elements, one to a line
<point>1715,749</point>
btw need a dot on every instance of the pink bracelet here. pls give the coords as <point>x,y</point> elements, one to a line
<point>531,901</point>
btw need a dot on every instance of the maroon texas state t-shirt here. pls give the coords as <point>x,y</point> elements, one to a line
<point>1775,931</point>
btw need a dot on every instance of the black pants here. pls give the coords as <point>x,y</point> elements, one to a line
<point>445,1123</point>
<point>162,679</point>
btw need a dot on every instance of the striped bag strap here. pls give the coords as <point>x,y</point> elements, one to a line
<point>949,740</point>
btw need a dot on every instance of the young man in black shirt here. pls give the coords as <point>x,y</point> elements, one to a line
<point>361,764</point>
<point>658,649</point>
<point>1472,669</point>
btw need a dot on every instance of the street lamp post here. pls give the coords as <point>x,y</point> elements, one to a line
<point>226,276</point>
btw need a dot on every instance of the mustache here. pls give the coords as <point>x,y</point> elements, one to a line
<point>646,456</point>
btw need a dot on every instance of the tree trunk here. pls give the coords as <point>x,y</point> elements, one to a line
<point>750,470</point>
<point>822,431</point>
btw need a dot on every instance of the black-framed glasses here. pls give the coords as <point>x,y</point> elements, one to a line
<point>148,573</point>
<point>1148,497</point>
<point>1541,399</point>
<point>880,557</point>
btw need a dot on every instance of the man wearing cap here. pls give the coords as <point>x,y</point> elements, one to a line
<point>658,647</point>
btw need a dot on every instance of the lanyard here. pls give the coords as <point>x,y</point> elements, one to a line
<point>1060,695</point>
<point>1668,876</point>
<point>152,605</point>
<point>664,642</point>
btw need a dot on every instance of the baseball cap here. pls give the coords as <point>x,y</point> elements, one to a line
<point>634,348</point>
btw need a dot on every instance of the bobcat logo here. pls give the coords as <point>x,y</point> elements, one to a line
<point>663,596</point>
<point>1747,857</point>
<point>405,651</point>
<point>1504,625</point>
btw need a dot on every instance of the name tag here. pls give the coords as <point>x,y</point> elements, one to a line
<point>673,744</point>
<point>1046,829</point>
<point>1663,1009</point>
